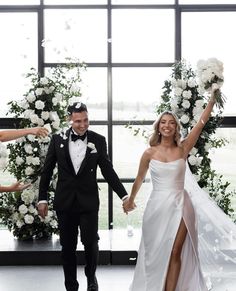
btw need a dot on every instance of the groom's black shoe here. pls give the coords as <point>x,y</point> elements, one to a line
<point>92,284</point>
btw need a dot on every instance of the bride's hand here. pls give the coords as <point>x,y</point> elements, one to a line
<point>215,87</point>
<point>128,205</point>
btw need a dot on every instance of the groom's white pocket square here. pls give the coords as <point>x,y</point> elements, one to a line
<point>93,151</point>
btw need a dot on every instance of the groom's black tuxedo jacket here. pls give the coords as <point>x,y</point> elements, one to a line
<point>79,189</point>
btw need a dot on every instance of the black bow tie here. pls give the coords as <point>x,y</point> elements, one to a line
<point>74,137</point>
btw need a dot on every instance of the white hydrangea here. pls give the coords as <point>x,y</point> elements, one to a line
<point>28,196</point>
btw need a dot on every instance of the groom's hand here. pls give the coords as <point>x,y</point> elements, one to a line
<point>43,209</point>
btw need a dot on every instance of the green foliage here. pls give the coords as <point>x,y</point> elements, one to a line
<point>44,104</point>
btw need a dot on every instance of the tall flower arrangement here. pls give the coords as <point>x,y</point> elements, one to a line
<point>183,93</point>
<point>44,104</point>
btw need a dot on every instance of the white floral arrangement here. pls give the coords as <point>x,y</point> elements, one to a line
<point>3,156</point>
<point>183,96</point>
<point>44,104</point>
<point>210,73</point>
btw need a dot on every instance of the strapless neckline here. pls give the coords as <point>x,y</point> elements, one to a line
<point>168,162</point>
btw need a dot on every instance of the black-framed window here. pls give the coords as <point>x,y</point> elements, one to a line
<point>129,47</point>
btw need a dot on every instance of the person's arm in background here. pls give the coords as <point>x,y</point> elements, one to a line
<point>7,135</point>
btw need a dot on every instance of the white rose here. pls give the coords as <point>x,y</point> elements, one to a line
<point>192,83</point>
<point>39,91</point>
<point>39,104</point>
<point>36,161</point>
<point>44,81</point>
<point>187,94</point>
<point>29,219</point>
<point>31,97</point>
<point>186,104</point>
<point>34,118</point>
<point>28,148</point>
<point>23,209</point>
<point>184,119</point>
<point>24,104</point>
<point>192,160</point>
<point>29,171</point>
<point>19,223</point>
<point>194,151</point>
<point>45,115</point>
<point>178,91</point>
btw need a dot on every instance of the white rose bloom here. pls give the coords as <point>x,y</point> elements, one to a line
<point>199,161</point>
<point>27,113</point>
<point>186,104</point>
<point>28,148</point>
<point>23,209</point>
<point>192,160</point>
<point>187,94</point>
<point>184,119</point>
<point>55,101</point>
<point>24,104</point>
<point>44,81</point>
<point>192,83</point>
<point>39,104</point>
<point>173,104</point>
<point>29,171</point>
<point>45,115</point>
<point>29,160</point>
<point>199,103</point>
<point>40,122</point>
<point>54,223</point>
<point>36,161</point>
<point>181,83</point>
<point>53,115</point>
<point>34,118</point>
<point>29,219</point>
<point>19,223</point>
<point>178,91</point>
<point>47,90</point>
<point>56,124</point>
<point>31,97</point>
<point>32,210</point>
<point>31,137</point>
<point>39,91</point>
<point>58,96</point>
<point>15,216</point>
<point>51,89</point>
<point>194,151</point>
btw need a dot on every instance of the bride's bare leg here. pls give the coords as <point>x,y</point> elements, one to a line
<point>175,259</point>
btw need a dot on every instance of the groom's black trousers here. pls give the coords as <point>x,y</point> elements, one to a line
<point>69,222</point>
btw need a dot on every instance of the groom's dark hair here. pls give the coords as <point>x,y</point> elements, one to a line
<point>76,107</point>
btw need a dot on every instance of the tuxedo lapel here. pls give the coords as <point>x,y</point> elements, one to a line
<point>88,150</point>
<point>67,153</point>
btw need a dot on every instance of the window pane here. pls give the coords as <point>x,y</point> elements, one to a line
<point>17,2</point>
<point>127,149</point>
<point>94,92</point>
<point>200,43</point>
<point>207,1</point>
<point>68,2</point>
<point>83,35</point>
<point>144,2</point>
<point>136,91</point>
<point>103,209</point>
<point>143,35</point>
<point>224,158</point>
<point>18,54</point>
<point>134,218</point>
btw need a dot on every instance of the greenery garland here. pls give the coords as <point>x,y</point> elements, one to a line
<point>44,104</point>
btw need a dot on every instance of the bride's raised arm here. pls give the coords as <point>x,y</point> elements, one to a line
<point>189,142</point>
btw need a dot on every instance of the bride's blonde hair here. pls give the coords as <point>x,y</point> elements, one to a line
<point>155,138</point>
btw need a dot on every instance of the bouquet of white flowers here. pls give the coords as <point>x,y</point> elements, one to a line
<point>210,72</point>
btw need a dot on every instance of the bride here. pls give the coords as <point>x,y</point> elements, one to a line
<point>182,247</point>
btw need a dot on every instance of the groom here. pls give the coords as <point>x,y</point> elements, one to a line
<point>77,155</point>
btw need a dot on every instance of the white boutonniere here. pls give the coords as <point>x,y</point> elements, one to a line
<point>92,147</point>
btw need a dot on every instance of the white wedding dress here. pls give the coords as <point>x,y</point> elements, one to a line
<point>208,255</point>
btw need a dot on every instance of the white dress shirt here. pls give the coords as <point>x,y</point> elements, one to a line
<point>77,151</point>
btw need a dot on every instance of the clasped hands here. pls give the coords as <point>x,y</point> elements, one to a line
<point>128,205</point>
